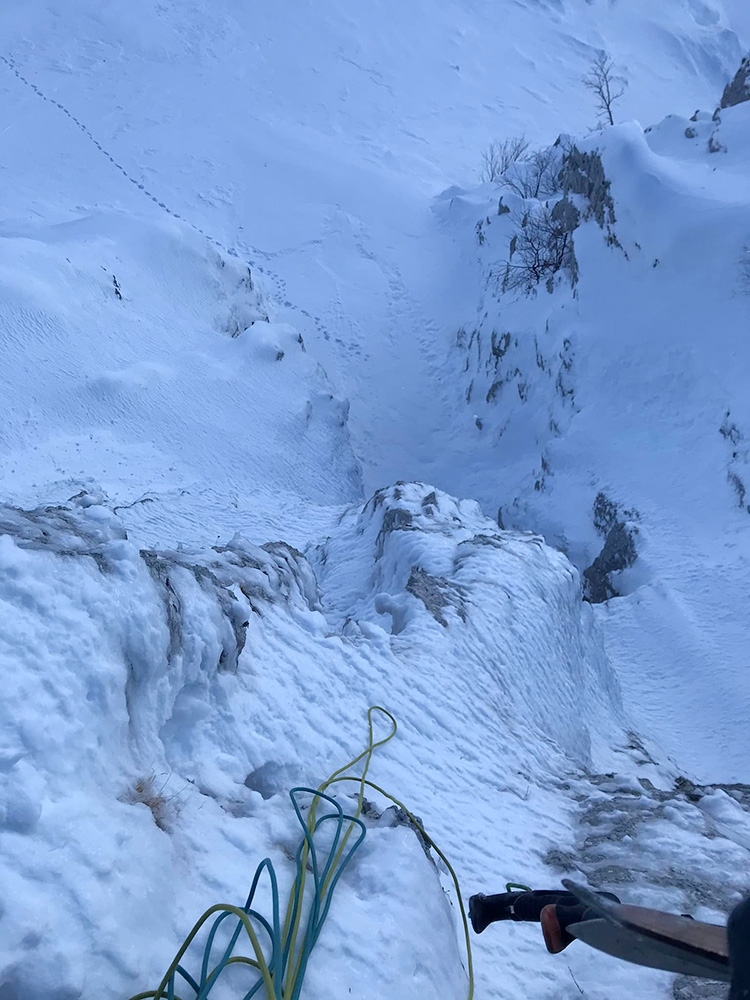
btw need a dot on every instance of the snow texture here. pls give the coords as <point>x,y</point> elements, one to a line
<point>277,445</point>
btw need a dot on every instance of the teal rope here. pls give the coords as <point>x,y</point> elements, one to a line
<point>282,952</point>
<point>282,974</point>
<point>290,945</point>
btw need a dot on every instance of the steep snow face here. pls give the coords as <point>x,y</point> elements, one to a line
<point>611,390</point>
<point>309,143</point>
<point>738,16</point>
<point>226,299</point>
<point>159,704</point>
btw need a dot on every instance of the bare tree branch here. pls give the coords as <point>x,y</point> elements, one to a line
<point>499,157</point>
<point>605,85</point>
<point>541,246</point>
<point>535,177</point>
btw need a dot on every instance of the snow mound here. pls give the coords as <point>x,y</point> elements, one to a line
<point>448,584</point>
<point>191,688</point>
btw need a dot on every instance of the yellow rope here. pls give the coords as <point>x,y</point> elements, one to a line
<point>295,966</point>
<point>417,823</point>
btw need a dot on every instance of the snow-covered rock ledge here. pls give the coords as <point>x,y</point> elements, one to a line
<point>157,706</point>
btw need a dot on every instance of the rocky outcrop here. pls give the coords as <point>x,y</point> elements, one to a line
<point>583,174</point>
<point>618,553</point>
<point>738,91</point>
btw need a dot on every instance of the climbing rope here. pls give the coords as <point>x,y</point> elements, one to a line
<point>290,944</point>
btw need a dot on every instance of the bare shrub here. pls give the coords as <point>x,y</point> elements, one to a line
<point>541,246</point>
<point>738,486</point>
<point>499,157</point>
<point>535,177</point>
<point>606,86</point>
<point>150,791</point>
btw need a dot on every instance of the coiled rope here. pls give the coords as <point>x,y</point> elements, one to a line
<point>289,945</point>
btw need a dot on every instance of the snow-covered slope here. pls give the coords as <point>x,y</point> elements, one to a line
<point>231,280</point>
<point>310,143</point>
<point>621,399</point>
<point>139,358</point>
<point>159,705</point>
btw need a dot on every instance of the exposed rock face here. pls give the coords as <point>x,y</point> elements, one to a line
<point>619,551</point>
<point>583,173</point>
<point>738,91</point>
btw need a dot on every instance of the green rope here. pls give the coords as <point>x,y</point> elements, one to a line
<point>417,823</point>
<point>290,944</point>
